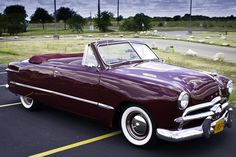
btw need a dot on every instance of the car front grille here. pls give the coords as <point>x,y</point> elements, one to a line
<point>195,115</point>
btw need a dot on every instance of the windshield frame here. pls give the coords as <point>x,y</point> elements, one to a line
<point>127,61</point>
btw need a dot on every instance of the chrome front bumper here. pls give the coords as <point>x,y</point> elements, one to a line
<point>216,113</point>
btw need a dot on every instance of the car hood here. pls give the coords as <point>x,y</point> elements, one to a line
<point>198,84</point>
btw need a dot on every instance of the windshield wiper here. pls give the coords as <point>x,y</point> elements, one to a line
<point>118,62</point>
<point>125,62</point>
<point>154,59</point>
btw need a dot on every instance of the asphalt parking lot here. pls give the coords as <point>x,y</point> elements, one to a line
<point>61,134</point>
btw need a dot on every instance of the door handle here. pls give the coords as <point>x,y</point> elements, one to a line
<point>55,73</point>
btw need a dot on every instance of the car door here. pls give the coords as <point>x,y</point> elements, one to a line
<point>77,86</point>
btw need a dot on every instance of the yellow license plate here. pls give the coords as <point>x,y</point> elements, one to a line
<point>219,126</point>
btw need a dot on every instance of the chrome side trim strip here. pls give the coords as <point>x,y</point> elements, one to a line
<point>10,70</point>
<point>4,85</point>
<point>105,106</point>
<point>7,86</point>
<point>64,95</point>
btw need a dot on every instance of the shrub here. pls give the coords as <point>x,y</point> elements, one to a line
<point>76,23</point>
<point>139,22</point>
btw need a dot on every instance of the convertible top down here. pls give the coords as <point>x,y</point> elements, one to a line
<point>124,83</point>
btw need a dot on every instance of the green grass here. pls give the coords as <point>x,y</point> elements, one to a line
<point>7,53</point>
<point>208,25</point>
<point>35,30</point>
<point>20,50</point>
<point>211,38</point>
<point>14,51</point>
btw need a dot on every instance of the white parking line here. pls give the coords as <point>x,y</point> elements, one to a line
<point>4,85</point>
<point>3,72</point>
<point>8,105</point>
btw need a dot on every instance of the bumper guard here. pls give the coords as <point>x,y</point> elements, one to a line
<point>208,125</point>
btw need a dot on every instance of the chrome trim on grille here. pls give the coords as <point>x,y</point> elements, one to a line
<point>64,95</point>
<point>217,108</point>
<point>194,117</point>
<point>200,106</point>
<point>216,111</point>
<point>225,105</point>
<point>194,132</point>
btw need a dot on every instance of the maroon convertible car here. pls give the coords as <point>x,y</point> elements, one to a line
<point>126,83</point>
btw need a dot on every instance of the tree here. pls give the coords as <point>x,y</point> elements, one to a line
<point>186,17</point>
<point>119,18</point>
<point>76,23</point>
<point>2,22</point>
<point>139,22</point>
<point>41,15</point>
<point>177,18</point>
<point>142,21</point>
<point>104,21</point>
<point>128,25</point>
<point>64,14</point>
<point>15,16</point>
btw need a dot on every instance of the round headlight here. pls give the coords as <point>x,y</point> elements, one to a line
<point>183,100</point>
<point>230,87</point>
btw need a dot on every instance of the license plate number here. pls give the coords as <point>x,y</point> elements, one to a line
<point>219,126</point>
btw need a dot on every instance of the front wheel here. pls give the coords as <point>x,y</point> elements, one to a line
<point>137,126</point>
<point>28,103</point>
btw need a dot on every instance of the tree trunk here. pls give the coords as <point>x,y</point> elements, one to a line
<point>65,25</point>
<point>43,25</point>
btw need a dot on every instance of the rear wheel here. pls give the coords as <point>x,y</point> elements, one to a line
<point>28,103</point>
<point>137,126</point>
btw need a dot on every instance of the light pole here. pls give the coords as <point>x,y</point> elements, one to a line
<point>55,36</point>
<point>99,12</point>
<point>190,19</point>
<point>118,10</point>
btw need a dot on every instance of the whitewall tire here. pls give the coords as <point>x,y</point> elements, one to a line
<point>28,103</point>
<point>137,126</point>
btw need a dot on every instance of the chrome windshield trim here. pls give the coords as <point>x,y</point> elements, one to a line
<point>131,44</point>
<point>64,95</point>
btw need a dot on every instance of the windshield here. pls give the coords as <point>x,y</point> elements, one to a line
<point>144,51</point>
<point>122,52</point>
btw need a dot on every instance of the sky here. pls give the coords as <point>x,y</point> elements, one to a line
<point>131,7</point>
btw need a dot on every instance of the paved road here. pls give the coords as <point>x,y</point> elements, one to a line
<point>203,50</point>
<point>24,133</point>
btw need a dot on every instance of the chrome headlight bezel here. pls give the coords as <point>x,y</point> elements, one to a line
<point>183,100</point>
<point>230,86</point>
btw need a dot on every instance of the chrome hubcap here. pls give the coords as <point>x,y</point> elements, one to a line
<point>28,101</point>
<point>137,126</point>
